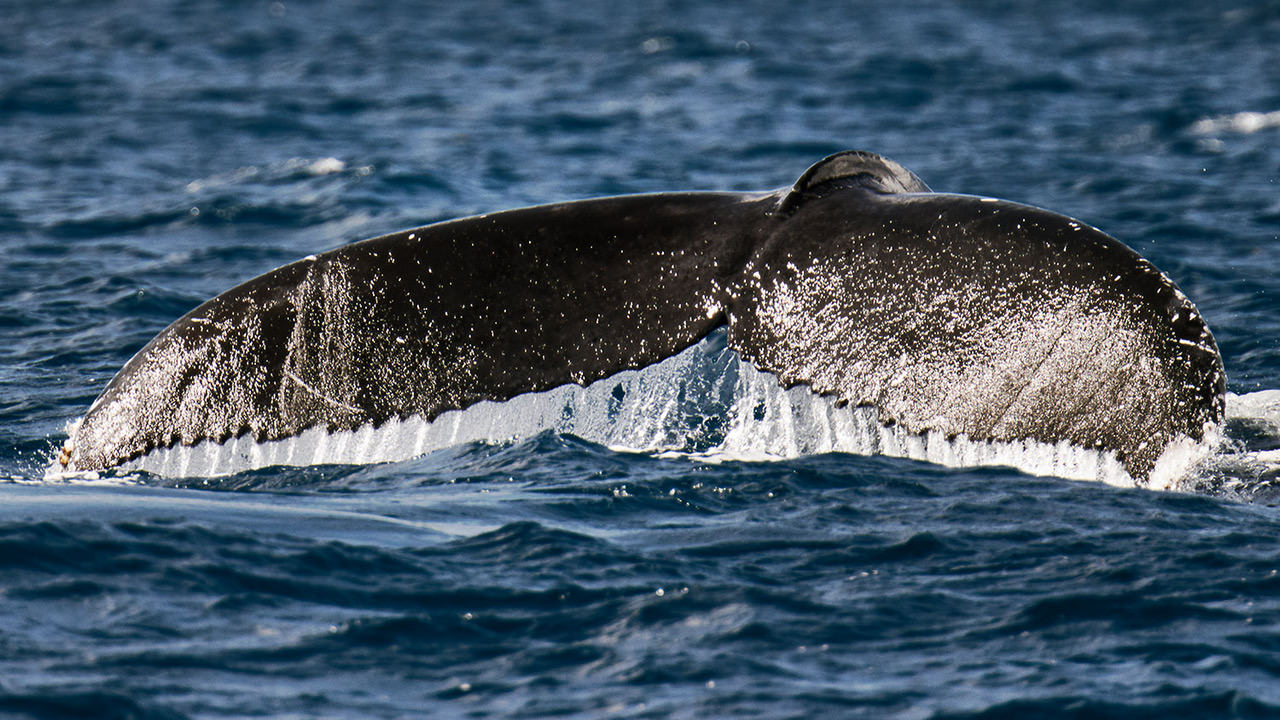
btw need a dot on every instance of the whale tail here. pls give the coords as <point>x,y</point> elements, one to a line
<point>946,314</point>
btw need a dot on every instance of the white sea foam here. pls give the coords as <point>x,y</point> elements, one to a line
<point>1262,406</point>
<point>1248,464</point>
<point>1242,122</point>
<point>270,172</point>
<point>704,402</point>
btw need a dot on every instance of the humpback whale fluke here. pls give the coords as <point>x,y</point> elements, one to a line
<point>945,314</point>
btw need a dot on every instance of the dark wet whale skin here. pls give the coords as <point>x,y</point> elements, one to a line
<point>947,313</point>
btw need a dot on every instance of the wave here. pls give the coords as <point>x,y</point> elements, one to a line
<point>709,404</point>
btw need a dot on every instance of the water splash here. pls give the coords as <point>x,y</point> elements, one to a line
<point>1247,464</point>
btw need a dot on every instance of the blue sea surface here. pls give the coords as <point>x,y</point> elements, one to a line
<point>154,154</point>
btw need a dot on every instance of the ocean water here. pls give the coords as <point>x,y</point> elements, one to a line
<point>153,154</point>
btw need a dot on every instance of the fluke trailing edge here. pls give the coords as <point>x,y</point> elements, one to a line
<point>952,314</point>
